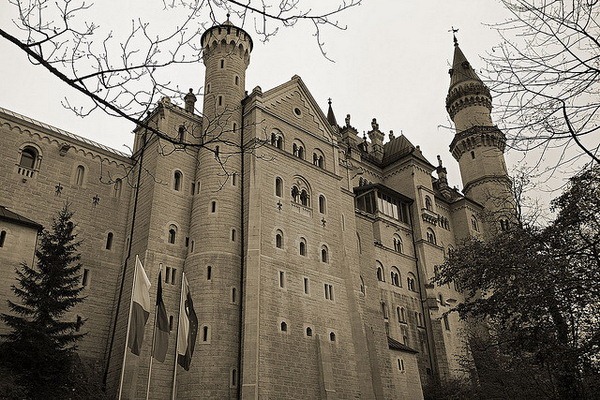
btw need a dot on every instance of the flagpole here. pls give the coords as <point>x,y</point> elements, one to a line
<point>153,338</point>
<point>127,330</point>
<point>173,389</point>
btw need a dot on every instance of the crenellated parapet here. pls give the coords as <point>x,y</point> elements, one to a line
<point>477,136</point>
<point>467,95</point>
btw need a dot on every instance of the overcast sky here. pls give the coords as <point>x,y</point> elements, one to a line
<point>391,64</point>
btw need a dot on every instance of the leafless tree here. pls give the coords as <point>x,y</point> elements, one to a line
<point>126,71</point>
<point>545,75</point>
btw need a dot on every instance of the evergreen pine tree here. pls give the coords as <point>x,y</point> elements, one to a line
<point>41,346</point>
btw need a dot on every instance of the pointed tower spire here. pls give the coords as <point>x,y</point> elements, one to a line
<point>330,115</point>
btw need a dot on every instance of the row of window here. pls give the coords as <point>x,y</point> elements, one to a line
<point>277,140</point>
<point>302,246</point>
<point>308,331</point>
<point>395,277</point>
<point>401,315</point>
<point>300,194</point>
<point>328,289</point>
<point>195,187</point>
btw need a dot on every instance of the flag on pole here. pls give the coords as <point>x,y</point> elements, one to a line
<point>140,308</point>
<point>161,335</point>
<point>188,328</point>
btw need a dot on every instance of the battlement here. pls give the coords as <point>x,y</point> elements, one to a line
<point>226,36</point>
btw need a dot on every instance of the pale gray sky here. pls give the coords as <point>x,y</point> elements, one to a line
<point>391,64</point>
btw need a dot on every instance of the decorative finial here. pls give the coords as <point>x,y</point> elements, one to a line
<point>453,30</point>
<point>348,120</point>
<point>439,160</point>
<point>374,124</point>
<point>228,15</point>
<point>329,101</point>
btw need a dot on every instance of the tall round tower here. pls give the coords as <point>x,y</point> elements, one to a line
<point>213,265</point>
<point>478,144</point>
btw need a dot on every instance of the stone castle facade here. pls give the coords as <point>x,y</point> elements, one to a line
<point>309,250</point>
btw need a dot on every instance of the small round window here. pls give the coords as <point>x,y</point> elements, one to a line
<point>297,111</point>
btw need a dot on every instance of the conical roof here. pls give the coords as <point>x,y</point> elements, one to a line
<point>461,68</point>
<point>331,116</point>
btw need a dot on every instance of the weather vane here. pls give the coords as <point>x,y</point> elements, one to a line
<point>454,30</point>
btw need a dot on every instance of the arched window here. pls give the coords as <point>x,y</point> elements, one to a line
<point>428,204</point>
<point>398,244</point>
<point>278,187</point>
<point>302,247</point>
<point>298,150</point>
<point>395,275</point>
<point>380,273</point>
<point>324,254</point>
<point>304,198</point>
<point>29,156</point>
<point>331,336</point>
<point>401,314</point>
<point>277,140</point>
<point>279,239</point>
<point>322,204</point>
<point>431,236</point>
<point>504,224</point>
<point>283,326</point>
<point>309,331</point>
<point>181,133</point>
<point>2,238</point>
<point>410,282</point>
<point>79,175</point>
<point>172,234</point>
<point>177,180</point>
<point>205,333</point>
<point>295,194</point>
<point>109,240</point>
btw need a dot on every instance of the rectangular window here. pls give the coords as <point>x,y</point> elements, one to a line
<point>193,188</point>
<point>173,275</point>
<point>281,279</point>
<point>168,275</point>
<point>85,279</point>
<point>328,291</point>
<point>306,286</point>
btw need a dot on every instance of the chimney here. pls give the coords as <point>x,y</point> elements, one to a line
<point>190,101</point>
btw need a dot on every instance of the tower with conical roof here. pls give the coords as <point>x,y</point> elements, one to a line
<point>478,144</point>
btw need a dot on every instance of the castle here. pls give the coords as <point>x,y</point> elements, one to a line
<point>309,250</point>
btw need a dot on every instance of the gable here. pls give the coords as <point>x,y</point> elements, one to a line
<point>292,103</point>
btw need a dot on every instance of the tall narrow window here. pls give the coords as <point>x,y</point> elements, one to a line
<point>109,240</point>
<point>117,188</point>
<point>397,244</point>
<point>205,333</point>
<point>237,80</point>
<point>208,273</point>
<point>172,234</point>
<point>446,322</point>
<point>474,224</point>
<point>2,238</point>
<point>322,204</point>
<point>279,240</point>
<point>278,187</point>
<point>213,206</point>
<point>233,235</point>
<point>85,278</point>
<point>283,326</point>
<point>395,276</point>
<point>177,180</point>
<point>302,248</point>
<point>324,254</point>
<point>234,179</point>
<point>220,99</point>
<point>233,295</point>
<point>234,378</point>
<point>410,282</point>
<point>170,323</point>
<point>304,198</point>
<point>78,323</point>
<point>331,336</point>
<point>222,63</point>
<point>79,175</point>
<point>428,204</point>
<point>282,279</point>
<point>328,291</point>
<point>181,134</point>
<point>306,286</point>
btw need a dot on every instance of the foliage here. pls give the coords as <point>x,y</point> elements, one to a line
<point>41,345</point>
<point>538,290</point>
<point>545,77</point>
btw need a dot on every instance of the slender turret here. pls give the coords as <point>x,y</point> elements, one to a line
<point>478,144</point>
